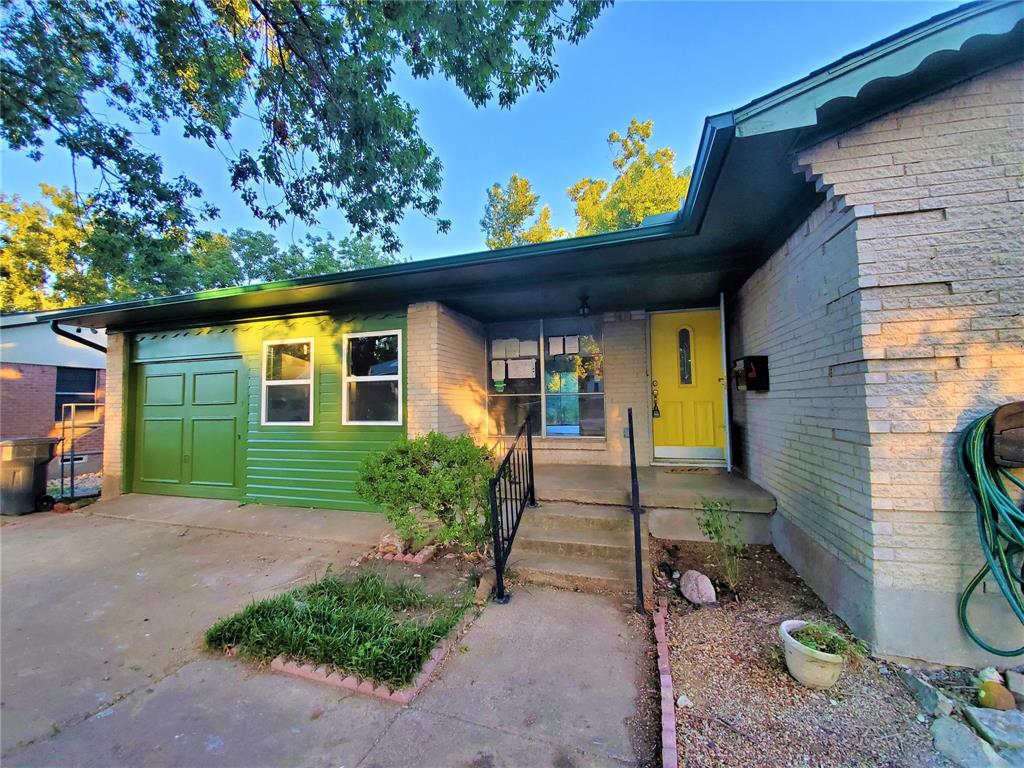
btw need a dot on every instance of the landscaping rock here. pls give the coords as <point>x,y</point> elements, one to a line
<point>990,674</point>
<point>961,745</point>
<point>1015,682</point>
<point>390,543</point>
<point>994,695</point>
<point>485,587</point>
<point>1015,757</point>
<point>932,701</point>
<point>1000,728</point>
<point>697,588</point>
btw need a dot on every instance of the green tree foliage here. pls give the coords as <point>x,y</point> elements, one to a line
<point>508,214</point>
<point>645,184</point>
<point>56,253</point>
<point>97,76</point>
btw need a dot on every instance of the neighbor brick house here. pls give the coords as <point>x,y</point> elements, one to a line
<point>41,376</point>
<point>854,240</point>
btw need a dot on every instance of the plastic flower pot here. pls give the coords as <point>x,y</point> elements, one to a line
<point>813,669</point>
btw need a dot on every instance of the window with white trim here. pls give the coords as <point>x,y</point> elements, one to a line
<point>372,381</point>
<point>288,382</point>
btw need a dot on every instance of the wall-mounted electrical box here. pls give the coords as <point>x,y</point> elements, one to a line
<point>751,373</point>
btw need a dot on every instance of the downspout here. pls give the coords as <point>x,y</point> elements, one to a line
<point>68,335</point>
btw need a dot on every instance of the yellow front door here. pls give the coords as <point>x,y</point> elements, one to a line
<point>688,386</point>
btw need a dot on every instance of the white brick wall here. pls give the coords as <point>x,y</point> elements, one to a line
<point>447,385</point>
<point>911,326</point>
<point>805,440</point>
<point>447,365</point>
<point>113,416</point>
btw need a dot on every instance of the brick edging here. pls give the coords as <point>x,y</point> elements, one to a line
<point>421,557</point>
<point>669,748</point>
<point>366,686</point>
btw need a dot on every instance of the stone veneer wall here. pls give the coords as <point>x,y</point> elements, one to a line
<point>930,269</point>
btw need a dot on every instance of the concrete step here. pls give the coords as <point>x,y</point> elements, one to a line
<point>560,514</point>
<point>581,493</point>
<point>583,573</point>
<point>575,541</point>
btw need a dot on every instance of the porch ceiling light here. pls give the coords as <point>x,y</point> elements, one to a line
<point>584,310</point>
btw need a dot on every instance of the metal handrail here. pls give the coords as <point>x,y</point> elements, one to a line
<point>634,506</point>
<point>510,491</point>
<point>68,446</point>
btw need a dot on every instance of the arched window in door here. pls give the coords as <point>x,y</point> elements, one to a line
<point>685,356</point>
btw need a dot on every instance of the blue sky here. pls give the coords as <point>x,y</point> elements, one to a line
<point>670,62</point>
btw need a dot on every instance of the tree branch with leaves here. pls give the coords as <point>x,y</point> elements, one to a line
<point>319,76</point>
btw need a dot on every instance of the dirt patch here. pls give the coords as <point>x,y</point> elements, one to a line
<point>747,710</point>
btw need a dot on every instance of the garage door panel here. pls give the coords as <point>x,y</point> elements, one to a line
<point>213,451</point>
<point>161,456</point>
<point>164,389</point>
<point>215,388</point>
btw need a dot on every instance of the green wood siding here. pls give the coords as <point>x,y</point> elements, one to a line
<point>312,466</point>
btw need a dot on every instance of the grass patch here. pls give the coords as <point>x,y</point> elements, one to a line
<point>363,625</point>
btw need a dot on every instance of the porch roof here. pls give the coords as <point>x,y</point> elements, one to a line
<point>744,201</point>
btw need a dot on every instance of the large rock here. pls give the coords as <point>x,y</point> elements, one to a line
<point>1003,728</point>
<point>995,696</point>
<point>932,700</point>
<point>1015,682</point>
<point>697,588</point>
<point>961,745</point>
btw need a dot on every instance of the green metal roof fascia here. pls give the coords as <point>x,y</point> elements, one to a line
<point>715,140</point>
<point>589,242</point>
<point>795,105</point>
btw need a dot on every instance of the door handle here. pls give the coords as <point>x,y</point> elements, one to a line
<point>655,411</point>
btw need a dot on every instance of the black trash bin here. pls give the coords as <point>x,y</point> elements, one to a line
<point>23,463</point>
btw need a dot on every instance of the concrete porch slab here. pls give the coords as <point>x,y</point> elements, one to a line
<point>660,487</point>
<point>333,526</point>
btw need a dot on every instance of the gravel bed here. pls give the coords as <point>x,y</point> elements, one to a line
<point>747,710</point>
<point>85,485</point>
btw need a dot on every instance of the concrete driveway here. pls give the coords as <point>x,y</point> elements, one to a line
<point>102,664</point>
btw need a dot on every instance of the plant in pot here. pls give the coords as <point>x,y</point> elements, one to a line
<point>816,652</point>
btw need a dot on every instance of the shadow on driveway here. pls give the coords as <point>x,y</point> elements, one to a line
<point>102,663</point>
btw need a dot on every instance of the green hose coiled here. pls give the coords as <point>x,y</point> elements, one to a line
<point>1000,525</point>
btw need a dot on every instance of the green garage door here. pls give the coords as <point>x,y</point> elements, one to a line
<point>189,427</point>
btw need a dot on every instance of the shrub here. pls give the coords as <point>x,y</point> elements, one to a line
<point>821,636</point>
<point>722,527</point>
<point>432,488</point>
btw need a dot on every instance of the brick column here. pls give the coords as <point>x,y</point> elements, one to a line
<point>114,424</point>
